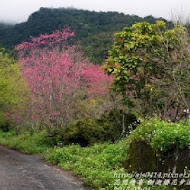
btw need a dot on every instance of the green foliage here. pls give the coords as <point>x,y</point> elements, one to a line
<point>86,132</point>
<point>96,165</point>
<point>127,62</point>
<point>90,131</point>
<point>163,135</point>
<point>100,166</point>
<point>13,90</point>
<point>96,47</point>
<point>31,144</point>
<point>145,62</point>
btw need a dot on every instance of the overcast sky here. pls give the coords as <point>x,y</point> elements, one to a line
<point>19,10</point>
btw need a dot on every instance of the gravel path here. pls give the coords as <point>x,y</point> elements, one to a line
<point>29,172</point>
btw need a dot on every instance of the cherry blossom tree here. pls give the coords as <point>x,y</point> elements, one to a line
<point>61,81</point>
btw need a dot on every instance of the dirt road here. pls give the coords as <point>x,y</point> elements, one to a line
<point>28,172</point>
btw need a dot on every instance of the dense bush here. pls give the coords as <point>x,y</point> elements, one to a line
<point>13,90</point>
<point>85,132</point>
<point>163,135</point>
<point>89,131</point>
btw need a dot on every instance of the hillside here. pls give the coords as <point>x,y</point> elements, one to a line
<point>94,29</point>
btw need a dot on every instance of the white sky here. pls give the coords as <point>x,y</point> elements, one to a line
<point>19,10</point>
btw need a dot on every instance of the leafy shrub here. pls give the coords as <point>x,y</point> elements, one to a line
<point>84,132</point>
<point>163,135</point>
<point>89,131</point>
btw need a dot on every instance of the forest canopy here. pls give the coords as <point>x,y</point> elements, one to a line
<point>88,26</point>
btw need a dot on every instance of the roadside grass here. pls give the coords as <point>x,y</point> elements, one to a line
<point>25,142</point>
<point>96,165</point>
<point>99,166</point>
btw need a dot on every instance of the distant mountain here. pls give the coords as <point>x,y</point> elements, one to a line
<point>94,29</point>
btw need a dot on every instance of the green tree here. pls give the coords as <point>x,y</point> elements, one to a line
<point>151,68</point>
<point>13,90</point>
